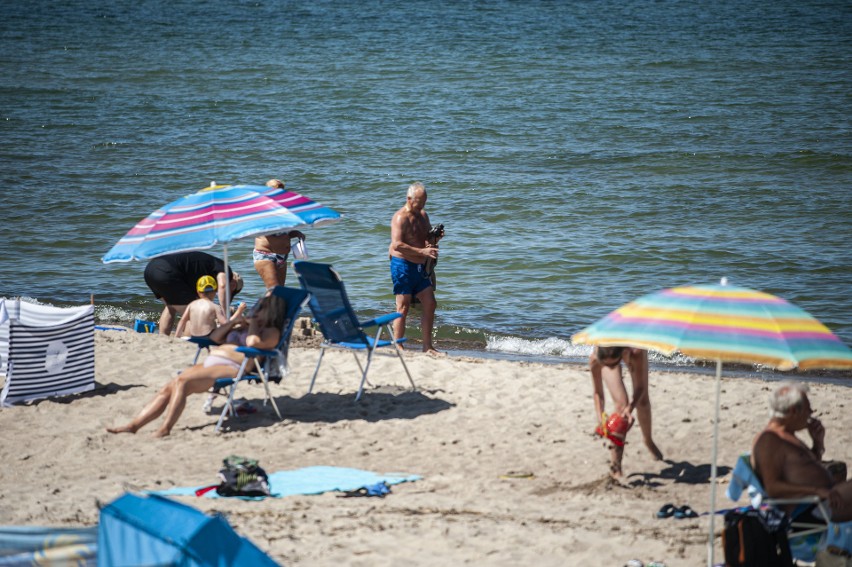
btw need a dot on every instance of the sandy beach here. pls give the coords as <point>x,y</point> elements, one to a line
<point>512,474</point>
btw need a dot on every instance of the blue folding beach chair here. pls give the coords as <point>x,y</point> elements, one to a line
<point>252,369</point>
<point>338,322</point>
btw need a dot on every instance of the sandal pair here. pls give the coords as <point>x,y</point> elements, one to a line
<point>669,510</point>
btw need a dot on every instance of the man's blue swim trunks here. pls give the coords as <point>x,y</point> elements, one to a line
<point>408,278</point>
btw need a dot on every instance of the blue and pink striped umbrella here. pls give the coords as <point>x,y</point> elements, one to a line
<point>725,324</point>
<point>218,215</point>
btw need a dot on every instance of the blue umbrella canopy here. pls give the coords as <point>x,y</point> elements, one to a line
<point>218,215</point>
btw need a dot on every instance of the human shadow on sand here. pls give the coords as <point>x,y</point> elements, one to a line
<point>324,407</point>
<point>678,472</point>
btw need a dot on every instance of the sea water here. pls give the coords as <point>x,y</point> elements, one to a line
<point>580,154</point>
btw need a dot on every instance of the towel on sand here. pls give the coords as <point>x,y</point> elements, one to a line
<point>309,480</point>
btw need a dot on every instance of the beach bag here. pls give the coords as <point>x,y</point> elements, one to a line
<point>241,476</point>
<point>756,538</point>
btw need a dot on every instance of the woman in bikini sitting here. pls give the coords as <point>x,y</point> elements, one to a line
<point>261,329</point>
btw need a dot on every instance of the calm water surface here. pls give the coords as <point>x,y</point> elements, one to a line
<point>580,154</point>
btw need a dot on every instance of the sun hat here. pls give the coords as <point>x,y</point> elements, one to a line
<point>206,283</point>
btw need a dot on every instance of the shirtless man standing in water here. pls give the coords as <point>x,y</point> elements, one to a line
<point>409,250</point>
<point>786,466</point>
<point>271,251</point>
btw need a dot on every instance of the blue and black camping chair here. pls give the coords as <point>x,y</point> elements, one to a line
<point>338,322</point>
<point>269,370</point>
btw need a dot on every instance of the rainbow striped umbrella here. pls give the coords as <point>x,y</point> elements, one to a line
<point>713,322</point>
<point>218,215</point>
<point>726,324</point>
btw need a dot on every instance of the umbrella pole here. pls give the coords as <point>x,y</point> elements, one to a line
<point>711,543</point>
<point>226,307</point>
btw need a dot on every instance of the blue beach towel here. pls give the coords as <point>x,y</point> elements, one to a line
<point>308,480</point>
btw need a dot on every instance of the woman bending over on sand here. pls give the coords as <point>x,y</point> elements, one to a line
<point>261,329</point>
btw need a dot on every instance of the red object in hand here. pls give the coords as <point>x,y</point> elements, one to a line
<point>617,427</point>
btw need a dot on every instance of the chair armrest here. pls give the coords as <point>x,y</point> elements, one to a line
<point>799,500</point>
<point>202,342</point>
<point>255,352</point>
<point>381,320</point>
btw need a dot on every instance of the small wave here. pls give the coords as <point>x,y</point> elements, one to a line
<point>111,314</point>
<point>563,348</point>
<point>537,347</point>
<point>105,314</point>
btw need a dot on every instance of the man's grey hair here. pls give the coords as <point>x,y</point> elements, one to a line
<point>787,396</point>
<point>414,188</point>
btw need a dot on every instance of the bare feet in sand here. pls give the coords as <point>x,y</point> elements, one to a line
<point>658,455</point>
<point>435,352</point>
<point>617,454</point>
<point>123,429</point>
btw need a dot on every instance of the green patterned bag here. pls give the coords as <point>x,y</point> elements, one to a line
<point>242,477</point>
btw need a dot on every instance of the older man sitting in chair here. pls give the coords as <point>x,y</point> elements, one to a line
<point>786,466</point>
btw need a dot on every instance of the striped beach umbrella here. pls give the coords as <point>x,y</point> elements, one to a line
<point>725,324</point>
<point>715,322</point>
<point>218,215</point>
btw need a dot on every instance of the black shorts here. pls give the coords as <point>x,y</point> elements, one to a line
<point>169,284</point>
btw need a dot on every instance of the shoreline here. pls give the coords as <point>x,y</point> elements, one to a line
<point>480,349</point>
<point>473,349</point>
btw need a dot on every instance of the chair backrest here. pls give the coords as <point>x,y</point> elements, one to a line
<point>295,299</point>
<point>743,478</point>
<point>329,303</point>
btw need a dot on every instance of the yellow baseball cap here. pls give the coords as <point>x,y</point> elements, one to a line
<point>206,283</point>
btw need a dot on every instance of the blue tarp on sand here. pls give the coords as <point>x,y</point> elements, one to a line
<point>310,480</point>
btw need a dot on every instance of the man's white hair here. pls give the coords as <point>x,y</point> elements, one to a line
<point>787,396</point>
<point>414,188</point>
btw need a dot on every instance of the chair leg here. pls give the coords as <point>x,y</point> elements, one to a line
<point>265,381</point>
<point>364,374</point>
<point>229,403</point>
<point>401,358</point>
<point>229,407</point>
<point>360,367</point>
<point>316,370</point>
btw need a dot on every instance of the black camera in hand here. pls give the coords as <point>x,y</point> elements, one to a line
<point>436,234</point>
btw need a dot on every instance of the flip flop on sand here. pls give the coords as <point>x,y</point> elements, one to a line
<point>685,512</point>
<point>667,511</point>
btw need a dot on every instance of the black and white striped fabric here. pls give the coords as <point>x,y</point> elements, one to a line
<point>50,351</point>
